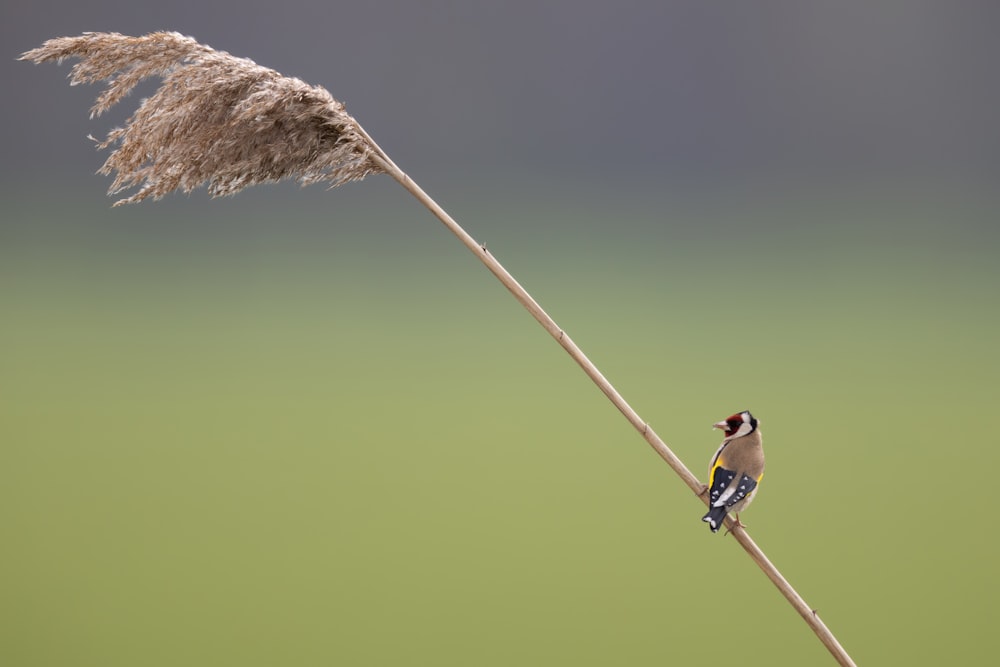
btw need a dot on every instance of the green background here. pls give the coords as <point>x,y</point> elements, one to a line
<point>307,427</point>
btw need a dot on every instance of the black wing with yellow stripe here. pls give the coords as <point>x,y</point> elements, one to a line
<point>721,480</point>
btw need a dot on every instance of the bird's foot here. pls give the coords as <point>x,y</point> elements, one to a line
<point>736,524</point>
<point>704,490</point>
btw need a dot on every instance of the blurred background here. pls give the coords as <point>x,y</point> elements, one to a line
<point>303,426</point>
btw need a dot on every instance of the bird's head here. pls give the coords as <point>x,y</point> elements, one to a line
<point>740,424</point>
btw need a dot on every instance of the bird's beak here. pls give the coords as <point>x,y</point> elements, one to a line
<point>721,426</point>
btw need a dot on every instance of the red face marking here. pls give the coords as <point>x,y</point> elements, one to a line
<point>733,423</point>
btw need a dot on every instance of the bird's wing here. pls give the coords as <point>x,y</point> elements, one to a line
<point>723,492</point>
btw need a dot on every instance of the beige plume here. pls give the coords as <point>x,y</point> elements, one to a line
<point>215,120</point>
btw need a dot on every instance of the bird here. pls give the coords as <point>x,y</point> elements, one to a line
<point>735,470</point>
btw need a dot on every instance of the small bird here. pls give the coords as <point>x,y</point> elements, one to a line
<point>735,470</point>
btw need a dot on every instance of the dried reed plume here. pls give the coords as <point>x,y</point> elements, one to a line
<point>216,119</point>
<point>229,123</point>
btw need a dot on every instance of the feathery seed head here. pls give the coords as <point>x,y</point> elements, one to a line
<point>217,120</point>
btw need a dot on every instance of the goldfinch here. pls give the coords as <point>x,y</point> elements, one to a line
<point>736,469</point>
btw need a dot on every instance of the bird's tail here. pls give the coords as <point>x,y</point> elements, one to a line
<point>714,518</point>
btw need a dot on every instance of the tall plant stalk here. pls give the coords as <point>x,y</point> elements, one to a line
<point>227,123</point>
<point>525,299</point>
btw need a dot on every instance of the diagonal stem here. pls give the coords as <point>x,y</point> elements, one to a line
<point>525,299</point>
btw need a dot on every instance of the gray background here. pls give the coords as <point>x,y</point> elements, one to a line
<point>779,91</point>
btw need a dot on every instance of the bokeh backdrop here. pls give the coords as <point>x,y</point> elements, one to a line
<point>306,427</point>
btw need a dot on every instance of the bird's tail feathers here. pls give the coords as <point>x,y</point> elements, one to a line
<point>714,518</point>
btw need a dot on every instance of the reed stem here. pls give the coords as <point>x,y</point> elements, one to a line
<point>525,299</point>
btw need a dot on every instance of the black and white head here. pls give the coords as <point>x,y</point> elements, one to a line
<point>737,426</point>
